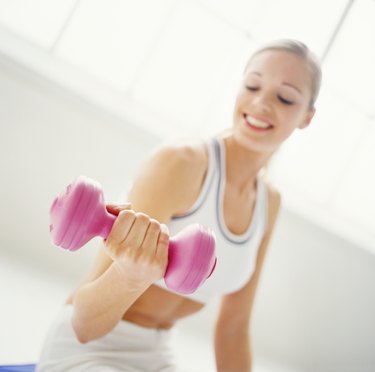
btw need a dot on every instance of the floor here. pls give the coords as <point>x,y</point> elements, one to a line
<point>30,298</point>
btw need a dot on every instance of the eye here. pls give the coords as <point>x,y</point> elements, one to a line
<point>252,88</point>
<point>285,101</point>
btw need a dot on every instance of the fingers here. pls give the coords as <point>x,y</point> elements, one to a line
<point>139,235</point>
<point>163,245</point>
<point>121,227</point>
<point>135,237</point>
<point>138,245</point>
<point>151,238</point>
<point>115,208</point>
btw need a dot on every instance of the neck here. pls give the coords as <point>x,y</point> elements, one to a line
<point>243,165</point>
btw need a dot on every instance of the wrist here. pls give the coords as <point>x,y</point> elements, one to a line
<point>122,278</point>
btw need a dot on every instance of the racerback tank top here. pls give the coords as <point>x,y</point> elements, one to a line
<point>236,254</point>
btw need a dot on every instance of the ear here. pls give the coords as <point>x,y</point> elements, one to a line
<point>306,121</point>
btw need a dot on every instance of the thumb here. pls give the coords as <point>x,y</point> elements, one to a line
<point>116,208</point>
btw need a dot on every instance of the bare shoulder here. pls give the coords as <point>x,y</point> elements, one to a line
<point>174,164</point>
<point>169,179</point>
<point>274,204</point>
<point>184,158</point>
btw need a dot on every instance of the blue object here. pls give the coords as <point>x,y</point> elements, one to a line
<point>18,368</point>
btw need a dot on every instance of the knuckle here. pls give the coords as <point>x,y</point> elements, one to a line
<point>163,238</point>
<point>126,214</point>
<point>154,225</point>
<point>142,217</point>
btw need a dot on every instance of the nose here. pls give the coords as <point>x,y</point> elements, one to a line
<point>262,102</point>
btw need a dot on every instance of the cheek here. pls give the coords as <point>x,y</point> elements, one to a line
<point>243,96</point>
<point>289,120</point>
<point>293,118</point>
<point>238,106</point>
<point>287,125</point>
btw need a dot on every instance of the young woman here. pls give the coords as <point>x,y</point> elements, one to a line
<point>119,317</point>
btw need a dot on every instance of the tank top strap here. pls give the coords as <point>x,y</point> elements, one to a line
<point>208,182</point>
<point>259,217</point>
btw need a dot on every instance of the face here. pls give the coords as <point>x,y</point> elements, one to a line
<point>273,100</point>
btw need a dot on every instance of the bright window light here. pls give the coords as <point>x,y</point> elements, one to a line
<point>355,197</point>
<point>111,39</point>
<point>314,160</point>
<point>181,61</point>
<point>349,68</point>
<point>39,21</point>
<point>310,21</point>
<point>199,60</point>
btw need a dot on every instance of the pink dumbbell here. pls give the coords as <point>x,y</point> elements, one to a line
<point>79,214</point>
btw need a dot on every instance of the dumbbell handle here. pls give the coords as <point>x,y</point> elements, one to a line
<point>79,214</point>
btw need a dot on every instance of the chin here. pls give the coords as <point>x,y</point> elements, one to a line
<point>252,144</point>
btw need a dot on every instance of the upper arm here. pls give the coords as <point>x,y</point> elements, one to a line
<point>235,310</point>
<point>168,182</point>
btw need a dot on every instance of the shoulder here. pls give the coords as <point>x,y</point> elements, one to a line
<point>176,165</point>
<point>169,179</point>
<point>181,157</point>
<point>274,196</point>
<point>274,204</point>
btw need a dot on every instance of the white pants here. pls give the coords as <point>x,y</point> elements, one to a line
<point>128,347</point>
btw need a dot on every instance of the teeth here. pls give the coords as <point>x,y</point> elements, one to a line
<point>257,123</point>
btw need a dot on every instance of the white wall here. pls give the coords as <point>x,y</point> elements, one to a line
<point>316,304</point>
<point>315,307</point>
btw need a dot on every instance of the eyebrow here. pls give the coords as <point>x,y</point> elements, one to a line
<point>283,83</point>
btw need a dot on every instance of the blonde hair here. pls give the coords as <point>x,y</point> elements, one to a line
<point>300,49</point>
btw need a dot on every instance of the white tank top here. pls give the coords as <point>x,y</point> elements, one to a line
<point>236,254</point>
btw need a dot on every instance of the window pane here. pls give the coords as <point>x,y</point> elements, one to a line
<point>111,39</point>
<point>39,21</point>
<point>192,71</point>
<point>355,198</point>
<point>273,19</point>
<point>349,68</point>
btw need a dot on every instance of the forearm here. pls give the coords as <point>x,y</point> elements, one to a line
<point>233,353</point>
<point>100,305</point>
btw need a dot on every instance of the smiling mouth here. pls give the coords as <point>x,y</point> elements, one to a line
<point>257,124</point>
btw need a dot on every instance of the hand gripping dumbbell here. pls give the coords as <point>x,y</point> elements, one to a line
<point>79,214</point>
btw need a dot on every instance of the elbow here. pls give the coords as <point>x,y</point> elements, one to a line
<point>82,333</point>
<point>82,338</point>
<point>232,331</point>
<point>86,331</point>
